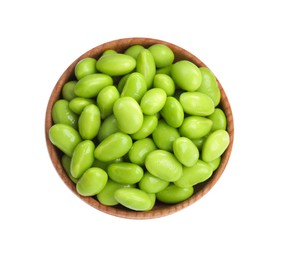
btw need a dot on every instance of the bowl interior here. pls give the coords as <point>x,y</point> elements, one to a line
<point>160,209</point>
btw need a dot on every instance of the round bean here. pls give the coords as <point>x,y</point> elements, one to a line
<point>85,67</point>
<point>149,125</point>
<point>162,54</point>
<point>68,90</point>
<point>134,50</point>
<point>153,101</point>
<point>219,119</point>
<point>164,82</point>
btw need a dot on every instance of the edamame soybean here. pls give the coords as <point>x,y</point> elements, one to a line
<point>153,101</point>
<point>85,67</point>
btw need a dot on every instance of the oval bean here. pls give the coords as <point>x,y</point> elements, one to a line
<point>77,104</point>
<point>219,119</point>
<point>152,184</point>
<point>85,67</point>
<point>162,54</point>
<point>164,82</point>
<point>148,126</point>
<point>68,90</point>
<point>153,101</point>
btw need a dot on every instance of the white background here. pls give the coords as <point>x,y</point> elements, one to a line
<point>240,218</point>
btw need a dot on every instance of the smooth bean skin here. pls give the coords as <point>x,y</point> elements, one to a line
<point>82,158</point>
<point>185,151</point>
<point>66,162</point>
<point>196,103</point>
<point>195,174</point>
<point>153,101</point>
<point>90,85</point>
<point>172,112</point>
<point>195,127</point>
<point>62,114</point>
<point>164,136</point>
<point>215,145</point>
<point>219,119</point>
<point>164,70</point>
<point>163,55</point>
<point>149,125</point>
<point>163,165</point>
<point>68,90</point>
<point>77,104</point>
<point>134,50</point>
<point>140,149</point>
<point>151,184</point>
<point>128,114</point>
<point>174,194</point>
<point>135,86</point>
<point>106,195</point>
<point>146,66</point>
<point>117,64</point>
<point>113,147</point>
<point>92,182</point>
<point>209,85</point>
<point>85,67</point>
<point>105,100</point>
<point>64,137</point>
<point>125,172</point>
<point>186,75</point>
<point>109,126</point>
<point>89,122</point>
<point>134,199</point>
<point>215,163</point>
<point>164,82</point>
<point>105,165</point>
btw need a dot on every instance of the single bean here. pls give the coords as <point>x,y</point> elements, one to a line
<point>149,125</point>
<point>82,158</point>
<point>85,67</point>
<point>109,126</point>
<point>66,162</point>
<point>64,137</point>
<point>92,182</point>
<point>163,55</point>
<point>164,82</point>
<point>77,104</point>
<point>134,50</point>
<point>153,101</point>
<point>68,90</point>
<point>113,147</point>
<point>163,165</point>
<point>152,184</point>
<point>215,145</point>
<point>215,163</point>
<point>219,119</point>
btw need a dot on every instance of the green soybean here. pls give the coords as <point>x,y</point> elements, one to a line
<point>66,162</point>
<point>195,127</point>
<point>128,114</point>
<point>90,85</point>
<point>163,165</point>
<point>196,103</point>
<point>113,147</point>
<point>152,184</point>
<point>162,54</point>
<point>174,194</point>
<point>64,137</point>
<point>172,112</point>
<point>92,182</point>
<point>134,50</point>
<point>164,82</point>
<point>125,172</point>
<point>68,90</point>
<point>148,126</point>
<point>215,163</point>
<point>77,104</point>
<point>186,75</point>
<point>215,145</point>
<point>85,67</point>
<point>219,119</point>
<point>105,100</point>
<point>82,158</point>
<point>185,151</point>
<point>195,174</point>
<point>153,101</point>
<point>109,126</point>
<point>61,113</point>
<point>117,64</point>
<point>134,199</point>
<point>89,122</point>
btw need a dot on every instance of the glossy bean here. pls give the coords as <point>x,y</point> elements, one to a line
<point>163,165</point>
<point>140,149</point>
<point>148,126</point>
<point>125,172</point>
<point>195,127</point>
<point>215,163</point>
<point>77,104</point>
<point>64,137</point>
<point>196,103</point>
<point>174,194</point>
<point>109,126</point>
<point>117,64</point>
<point>146,66</point>
<point>153,101</point>
<point>89,122</point>
<point>92,182</point>
<point>82,158</point>
<point>105,100</point>
<point>66,162</point>
<point>163,55</point>
<point>134,199</point>
<point>186,75</point>
<point>209,85</point>
<point>172,112</point>
<point>219,119</point>
<point>195,174</point>
<point>152,184</point>
<point>164,82</point>
<point>85,67</point>
<point>62,114</point>
<point>134,50</point>
<point>90,85</point>
<point>128,114</point>
<point>185,151</point>
<point>68,90</point>
<point>215,145</point>
<point>112,147</point>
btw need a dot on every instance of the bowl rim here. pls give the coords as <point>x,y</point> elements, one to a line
<point>161,210</point>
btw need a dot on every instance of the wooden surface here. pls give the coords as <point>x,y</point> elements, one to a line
<point>160,209</point>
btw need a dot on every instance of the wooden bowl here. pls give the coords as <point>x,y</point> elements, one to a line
<point>160,209</point>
